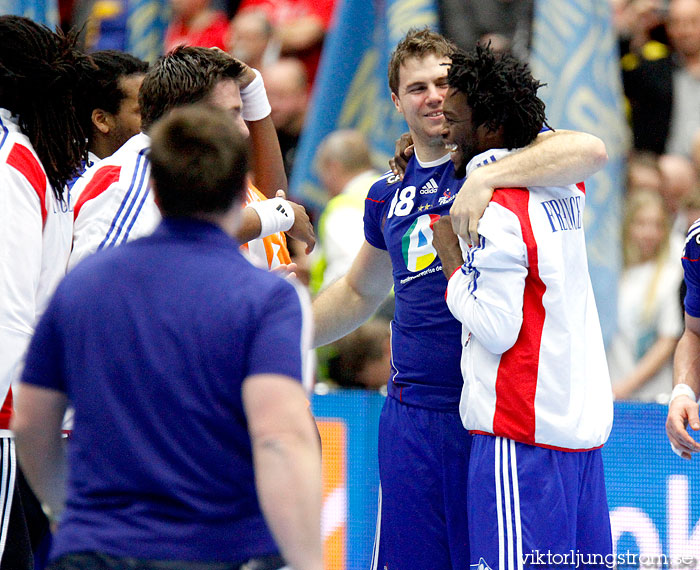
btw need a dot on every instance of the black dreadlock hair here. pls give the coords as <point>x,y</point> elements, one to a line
<point>185,75</point>
<point>39,71</point>
<point>501,92</point>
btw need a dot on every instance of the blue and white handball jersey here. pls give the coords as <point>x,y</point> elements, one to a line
<point>425,337</point>
<point>691,269</point>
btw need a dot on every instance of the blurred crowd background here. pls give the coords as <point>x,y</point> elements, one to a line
<point>625,70</point>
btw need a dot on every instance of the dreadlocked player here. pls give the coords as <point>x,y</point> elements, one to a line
<point>536,395</point>
<point>40,149</point>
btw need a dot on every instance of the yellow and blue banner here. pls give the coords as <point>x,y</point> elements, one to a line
<point>351,89</point>
<point>575,52</point>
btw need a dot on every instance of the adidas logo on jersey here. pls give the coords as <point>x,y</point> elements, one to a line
<point>430,187</point>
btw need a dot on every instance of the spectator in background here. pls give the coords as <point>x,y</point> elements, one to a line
<point>195,23</point>
<point>643,171</point>
<point>649,318</point>
<point>288,92</point>
<point>663,87</point>
<point>362,359</point>
<point>507,22</point>
<point>346,172</point>
<point>251,39</point>
<point>678,180</point>
<point>640,26</point>
<point>300,26</point>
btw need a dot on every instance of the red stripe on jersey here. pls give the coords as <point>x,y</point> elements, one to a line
<point>375,201</point>
<point>516,380</point>
<point>581,186</point>
<point>6,411</point>
<point>25,162</point>
<point>102,179</point>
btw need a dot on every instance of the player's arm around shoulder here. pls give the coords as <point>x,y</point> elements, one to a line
<point>554,158</point>
<point>486,293</point>
<point>287,464</point>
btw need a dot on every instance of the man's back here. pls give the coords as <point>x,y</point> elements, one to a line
<point>161,456</point>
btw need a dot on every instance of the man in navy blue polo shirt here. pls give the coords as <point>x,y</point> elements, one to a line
<point>185,365</point>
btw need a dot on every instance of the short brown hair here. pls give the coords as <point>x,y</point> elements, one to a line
<point>185,75</point>
<point>199,161</point>
<point>418,43</point>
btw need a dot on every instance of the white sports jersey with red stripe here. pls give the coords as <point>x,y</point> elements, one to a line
<point>115,205</point>
<point>533,359</point>
<point>115,202</point>
<point>35,237</point>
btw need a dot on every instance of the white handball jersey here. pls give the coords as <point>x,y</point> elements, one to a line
<point>115,202</point>
<point>35,237</point>
<point>533,359</point>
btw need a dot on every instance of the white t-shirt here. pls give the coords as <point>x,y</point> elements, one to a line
<point>638,328</point>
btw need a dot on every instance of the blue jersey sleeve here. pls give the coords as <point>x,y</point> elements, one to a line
<point>376,204</point>
<point>280,343</point>
<point>44,365</point>
<point>691,269</point>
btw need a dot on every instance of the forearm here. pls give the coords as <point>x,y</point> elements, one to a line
<point>554,159</point>
<point>42,456</point>
<point>653,360</point>
<point>266,157</point>
<point>284,463</point>
<point>340,309</point>
<point>250,227</point>
<point>686,364</point>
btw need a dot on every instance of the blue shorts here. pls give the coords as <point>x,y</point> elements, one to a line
<point>423,470</point>
<point>532,507</point>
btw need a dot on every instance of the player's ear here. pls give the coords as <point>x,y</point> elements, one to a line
<point>102,120</point>
<point>397,102</point>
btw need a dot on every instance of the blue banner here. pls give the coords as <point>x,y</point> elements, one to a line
<point>146,24</point>
<point>575,52</point>
<point>41,11</point>
<point>351,89</point>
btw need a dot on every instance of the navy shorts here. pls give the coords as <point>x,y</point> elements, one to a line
<point>423,470</point>
<point>532,507</point>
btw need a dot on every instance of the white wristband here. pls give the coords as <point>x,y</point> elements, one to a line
<point>276,215</point>
<point>254,97</point>
<point>683,390</point>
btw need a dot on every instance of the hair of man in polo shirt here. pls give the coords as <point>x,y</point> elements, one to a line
<point>199,162</point>
<point>185,75</point>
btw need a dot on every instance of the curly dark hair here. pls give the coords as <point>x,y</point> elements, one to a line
<point>39,73</point>
<point>501,92</point>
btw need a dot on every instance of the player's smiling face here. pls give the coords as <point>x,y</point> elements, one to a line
<point>422,90</point>
<point>460,135</point>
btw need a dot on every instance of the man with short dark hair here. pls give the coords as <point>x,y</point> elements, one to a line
<point>187,382</point>
<point>115,203</point>
<point>536,395</point>
<point>111,103</point>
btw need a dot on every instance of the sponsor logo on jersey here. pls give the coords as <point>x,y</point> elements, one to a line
<point>393,179</point>
<point>417,243</point>
<point>430,187</point>
<point>480,566</point>
<point>446,197</point>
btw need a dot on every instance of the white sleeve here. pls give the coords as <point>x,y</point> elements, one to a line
<point>486,293</point>
<point>21,228</point>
